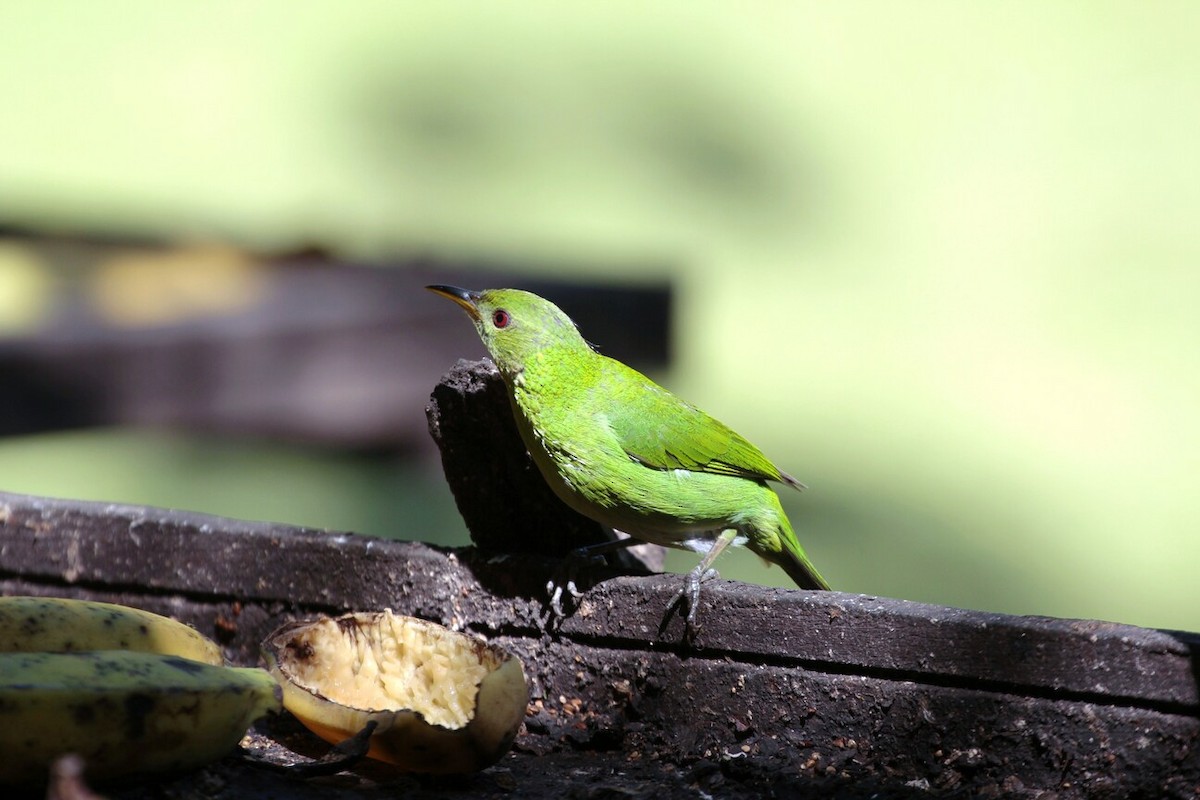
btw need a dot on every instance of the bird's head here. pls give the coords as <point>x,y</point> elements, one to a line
<point>515,325</point>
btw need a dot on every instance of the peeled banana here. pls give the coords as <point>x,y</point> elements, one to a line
<point>61,625</point>
<point>129,691</point>
<point>125,713</point>
<point>443,702</point>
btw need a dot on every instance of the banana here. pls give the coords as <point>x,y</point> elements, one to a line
<point>61,625</point>
<point>125,713</point>
<point>130,691</point>
<point>443,702</point>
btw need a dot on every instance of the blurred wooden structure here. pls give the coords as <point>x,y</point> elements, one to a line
<point>298,347</point>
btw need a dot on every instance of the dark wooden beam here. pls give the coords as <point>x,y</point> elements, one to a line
<point>804,693</point>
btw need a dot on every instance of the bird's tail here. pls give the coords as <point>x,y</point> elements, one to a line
<point>794,560</point>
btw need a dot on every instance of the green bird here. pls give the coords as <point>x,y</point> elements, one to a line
<point>620,449</point>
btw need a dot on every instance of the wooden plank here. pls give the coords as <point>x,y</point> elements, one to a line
<point>63,542</point>
<point>816,706</point>
<point>1105,662</point>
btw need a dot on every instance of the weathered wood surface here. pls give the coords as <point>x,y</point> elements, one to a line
<point>807,694</point>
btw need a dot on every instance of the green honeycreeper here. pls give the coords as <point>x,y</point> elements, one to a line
<point>622,450</point>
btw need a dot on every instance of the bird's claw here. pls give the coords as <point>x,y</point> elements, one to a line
<point>562,583</point>
<point>556,590</point>
<point>689,594</point>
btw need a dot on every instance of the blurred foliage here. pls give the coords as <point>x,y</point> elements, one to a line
<point>939,259</point>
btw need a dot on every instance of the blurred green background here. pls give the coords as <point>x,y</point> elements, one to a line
<point>940,260</point>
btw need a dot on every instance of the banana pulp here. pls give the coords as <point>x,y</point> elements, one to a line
<point>444,702</point>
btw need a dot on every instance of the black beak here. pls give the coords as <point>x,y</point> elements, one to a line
<point>464,297</point>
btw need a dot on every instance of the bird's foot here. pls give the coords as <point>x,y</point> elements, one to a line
<point>563,584</point>
<point>689,594</point>
<point>556,591</point>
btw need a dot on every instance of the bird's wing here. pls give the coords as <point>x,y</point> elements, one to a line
<point>656,428</point>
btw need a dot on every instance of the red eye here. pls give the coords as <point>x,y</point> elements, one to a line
<point>500,318</point>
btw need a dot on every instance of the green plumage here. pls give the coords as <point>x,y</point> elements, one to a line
<point>621,449</point>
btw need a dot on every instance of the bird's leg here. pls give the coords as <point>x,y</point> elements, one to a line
<point>564,580</point>
<point>590,551</point>
<point>703,571</point>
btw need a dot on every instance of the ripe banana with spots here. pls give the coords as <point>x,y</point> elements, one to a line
<point>129,691</point>
<point>61,625</point>
<point>125,713</point>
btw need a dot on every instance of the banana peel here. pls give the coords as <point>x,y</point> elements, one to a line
<point>443,702</point>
